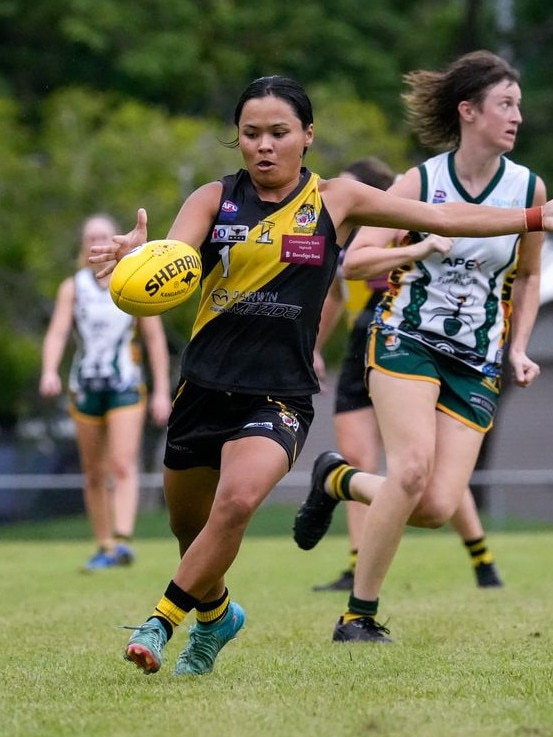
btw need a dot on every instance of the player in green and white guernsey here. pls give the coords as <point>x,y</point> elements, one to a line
<point>436,345</point>
<point>456,303</point>
<point>106,340</point>
<point>107,394</point>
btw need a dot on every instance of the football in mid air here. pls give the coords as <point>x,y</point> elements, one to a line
<point>155,277</point>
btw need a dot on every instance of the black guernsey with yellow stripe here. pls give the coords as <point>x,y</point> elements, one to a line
<point>266,270</point>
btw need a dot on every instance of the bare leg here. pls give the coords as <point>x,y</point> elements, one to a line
<point>250,468</point>
<point>465,520</point>
<point>125,427</point>
<point>91,440</point>
<point>358,440</point>
<point>429,462</point>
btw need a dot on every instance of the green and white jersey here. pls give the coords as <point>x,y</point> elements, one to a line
<point>460,304</point>
<point>107,356</point>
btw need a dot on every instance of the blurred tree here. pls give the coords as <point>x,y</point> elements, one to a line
<point>110,105</point>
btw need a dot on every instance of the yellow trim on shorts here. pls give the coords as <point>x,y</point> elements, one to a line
<point>413,377</point>
<point>99,419</point>
<point>79,416</point>
<point>84,418</point>
<point>464,420</point>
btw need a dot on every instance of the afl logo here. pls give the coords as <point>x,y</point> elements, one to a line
<point>229,206</point>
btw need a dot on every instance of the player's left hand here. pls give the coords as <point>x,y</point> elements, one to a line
<point>525,371</point>
<point>109,254</point>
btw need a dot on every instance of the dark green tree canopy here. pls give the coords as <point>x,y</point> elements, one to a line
<point>112,105</point>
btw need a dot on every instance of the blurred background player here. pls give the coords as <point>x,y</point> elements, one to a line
<point>356,430</point>
<point>107,394</point>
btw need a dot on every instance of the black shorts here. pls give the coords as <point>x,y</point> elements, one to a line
<point>202,420</point>
<point>351,391</point>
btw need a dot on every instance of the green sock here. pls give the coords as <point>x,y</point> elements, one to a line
<point>358,608</point>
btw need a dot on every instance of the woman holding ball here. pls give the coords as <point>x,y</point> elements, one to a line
<point>267,237</point>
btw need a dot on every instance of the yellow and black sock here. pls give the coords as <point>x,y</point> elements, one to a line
<point>358,608</point>
<point>213,611</point>
<point>338,481</point>
<point>173,607</point>
<point>353,555</point>
<point>478,551</point>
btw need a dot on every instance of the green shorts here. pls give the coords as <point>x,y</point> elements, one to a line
<point>97,404</point>
<point>465,394</point>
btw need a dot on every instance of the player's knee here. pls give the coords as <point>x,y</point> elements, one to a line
<point>434,513</point>
<point>123,469</point>
<point>234,508</point>
<point>413,474</point>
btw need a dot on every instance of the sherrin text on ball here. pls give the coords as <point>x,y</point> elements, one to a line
<point>155,277</point>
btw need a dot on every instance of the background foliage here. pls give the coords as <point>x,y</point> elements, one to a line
<point>108,105</point>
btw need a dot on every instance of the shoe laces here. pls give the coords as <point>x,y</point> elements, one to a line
<point>206,645</point>
<point>150,628</point>
<point>371,623</point>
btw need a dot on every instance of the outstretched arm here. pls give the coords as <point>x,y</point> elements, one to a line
<point>352,204</point>
<point>191,225</point>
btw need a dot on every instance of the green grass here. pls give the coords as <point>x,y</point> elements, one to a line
<point>466,662</point>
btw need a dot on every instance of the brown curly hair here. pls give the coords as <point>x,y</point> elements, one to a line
<point>433,97</point>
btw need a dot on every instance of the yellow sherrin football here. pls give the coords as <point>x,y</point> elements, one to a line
<point>155,277</point>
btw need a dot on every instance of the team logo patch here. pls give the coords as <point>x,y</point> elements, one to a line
<point>229,233</point>
<point>392,342</point>
<point>491,383</point>
<point>289,421</point>
<point>305,217</point>
<point>439,196</point>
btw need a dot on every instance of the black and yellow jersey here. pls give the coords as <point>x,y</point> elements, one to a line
<point>266,268</point>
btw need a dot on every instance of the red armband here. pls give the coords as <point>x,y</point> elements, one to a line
<point>533,218</point>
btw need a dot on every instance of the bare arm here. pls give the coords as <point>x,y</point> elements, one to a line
<point>351,203</point>
<point>333,306</point>
<point>153,333</point>
<point>525,297</point>
<point>191,226</point>
<point>56,338</point>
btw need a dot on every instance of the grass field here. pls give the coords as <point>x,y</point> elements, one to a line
<point>466,662</point>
